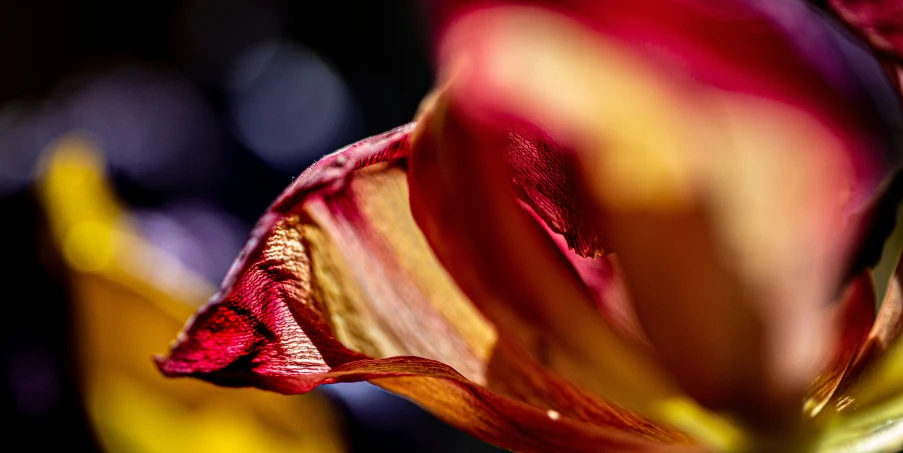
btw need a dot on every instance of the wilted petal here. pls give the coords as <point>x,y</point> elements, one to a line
<point>338,284</point>
<point>509,265</point>
<point>604,278</point>
<point>548,186</point>
<point>493,247</point>
<point>547,180</point>
<point>339,252</point>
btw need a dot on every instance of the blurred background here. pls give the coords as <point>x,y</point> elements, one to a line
<point>139,142</point>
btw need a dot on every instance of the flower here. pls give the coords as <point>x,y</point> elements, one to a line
<point>613,226</point>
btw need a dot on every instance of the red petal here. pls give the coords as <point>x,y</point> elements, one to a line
<point>549,183</point>
<point>251,318</point>
<point>880,251</point>
<point>855,316</point>
<point>759,48</point>
<point>732,300</point>
<point>513,372</point>
<point>510,267</point>
<point>883,335</point>
<point>889,323</point>
<point>337,279</point>
<point>604,278</point>
<point>880,22</point>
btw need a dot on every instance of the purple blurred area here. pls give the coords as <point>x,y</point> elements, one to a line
<point>205,110</point>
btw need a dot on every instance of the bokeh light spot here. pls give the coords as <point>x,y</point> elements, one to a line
<point>287,105</point>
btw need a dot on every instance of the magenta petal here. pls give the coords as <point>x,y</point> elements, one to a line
<point>547,180</point>
<point>253,326</point>
<point>880,22</point>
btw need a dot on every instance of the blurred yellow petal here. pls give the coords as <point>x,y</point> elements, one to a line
<point>129,299</point>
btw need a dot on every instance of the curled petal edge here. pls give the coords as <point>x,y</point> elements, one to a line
<point>260,330</point>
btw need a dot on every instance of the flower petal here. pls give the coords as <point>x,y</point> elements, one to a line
<point>874,376</point>
<point>493,248</point>
<point>604,278</point>
<point>856,316</point>
<point>548,186</point>
<point>338,251</point>
<point>866,411</point>
<point>548,181</point>
<point>880,22</point>
<point>688,172</point>
<point>509,266</point>
<point>339,285</point>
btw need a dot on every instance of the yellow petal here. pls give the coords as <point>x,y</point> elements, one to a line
<point>125,308</point>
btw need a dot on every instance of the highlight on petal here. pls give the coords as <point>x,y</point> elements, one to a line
<point>338,284</point>
<point>877,369</point>
<point>888,323</point>
<point>124,307</point>
<point>727,196</point>
<point>865,413</point>
<point>855,313</point>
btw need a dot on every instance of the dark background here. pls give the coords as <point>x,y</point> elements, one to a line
<point>220,93</point>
